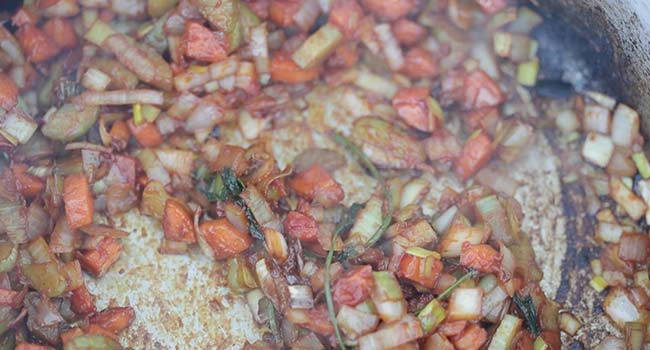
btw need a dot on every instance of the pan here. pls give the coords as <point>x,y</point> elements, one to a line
<point>182,301</point>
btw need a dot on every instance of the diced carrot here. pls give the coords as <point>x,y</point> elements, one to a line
<point>492,6</point>
<point>344,56</point>
<point>24,17</point>
<point>73,274</point>
<point>260,8</point>
<point>443,146</point>
<point>38,46</point>
<point>78,200</point>
<point>43,4</point>
<point>82,302</point>
<point>106,15</point>
<point>452,328</point>
<point>301,226</point>
<point>32,346</point>
<point>524,341</point>
<point>70,334</point>
<point>96,261</point>
<point>147,134</point>
<point>177,222</point>
<point>413,108</point>
<point>408,32</point>
<point>12,298</point>
<point>97,330</point>
<point>284,69</point>
<point>481,257</point>
<point>62,32</point>
<point>8,92</point>
<point>484,118</point>
<point>114,319</point>
<point>230,156</point>
<point>120,131</point>
<point>224,238</point>
<point>481,91</point>
<point>345,15</point>
<point>203,44</point>
<point>472,338</point>
<point>389,9</point>
<point>477,151</point>
<point>354,286</point>
<point>419,270</point>
<point>282,11</point>
<point>552,338</point>
<point>27,184</point>
<point>318,321</point>
<point>419,63</point>
<point>317,184</point>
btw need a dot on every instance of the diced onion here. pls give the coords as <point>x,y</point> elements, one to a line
<point>301,297</point>
<point>465,304</point>
<point>317,47</point>
<point>119,97</point>
<point>596,119</point>
<point>96,80</point>
<point>611,343</point>
<point>631,203</point>
<point>634,247</point>
<point>609,232</point>
<point>255,298</point>
<point>635,333</point>
<point>620,308</point>
<point>393,335</point>
<point>390,46</point>
<point>355,323</point>
<point>569,323</point>
<point>625,125</point>
<point>276,244</point>
<point>598,149</point>
<point>387,297</point>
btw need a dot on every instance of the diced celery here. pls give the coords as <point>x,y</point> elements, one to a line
<point>317,47</point>
<point>157,8</point>
<point>45,278</point>
<point>431,316</point>
<point>386,286</point>
<point>137,114</point>
<point>598,283</point>
<point>540,344</point>
<point>642,164</point>
<point>502,43</point>
<point>98,32</point>
<point>506,331</point>
<point>150,113</point>
<point>527,72</point>
<point>422,253</point>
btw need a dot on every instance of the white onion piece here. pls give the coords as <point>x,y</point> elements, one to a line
<point>619,307</point>
<point>355,323</point>
<point>223,68</point>
<point>393,335</point>
<point>260,50</point>
<point>451,244</point>
<point>191,79</point>
<point>443,221</point>
<point>177,161</point>
<point>413,192</point>
<point>498,181</point>
<point>130,8</point>
<point>567,121</point>
<point>390,46</point>
<point>596,119</point>
<point>631,203</point>
<point>609,232</point>
<point>634,247</point>
<point>493,301</point>
<point>94,3</point>
<point>625,126</point>
<point>276,245</point>
<point>598,149</point>
<point>261,208</point>
<point>206,115</point>
<point>301,297</point>
<point>465,304</point>
<point>254,298</point>
<point>306,16</point>
<point>119,97</point>
<point>94,79</point>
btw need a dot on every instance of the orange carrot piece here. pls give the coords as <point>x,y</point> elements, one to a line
<point>481,257</point>
<point>415,269</point>
<point>472,338</point>
<point>62,32</point>
<point>354,286</point>
<point>481,91</point>
<point>38,46</point>
<point>224,238</point>
<point>78,200</point>
<point>12,298</point>
<point>389,9</point>
<point>477,151</point>
<point>419,63</point>
<point>344,56</point>
<point>284,69</point>
<point>317,184</point>
<point>282,11</point>
<point>120,131</point>
<point>96,261</point>
<point>412,107</point>
<point>177,222</point>
<point>147,134</point>
<point>203,44</point>
<point>301,226</point>
<point>346,15</point>
<point>82,302</point>
<point>32,346</point>
<point>408,32</point>
<point>27,184</point>
<point>114,319</point>
<point>8,92</point>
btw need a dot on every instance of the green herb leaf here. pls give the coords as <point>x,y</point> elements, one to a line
<point>254,227</point>
<point>465,277</point>
<point>231,182</point>
<point>529,311</point>
<point>372,169</point>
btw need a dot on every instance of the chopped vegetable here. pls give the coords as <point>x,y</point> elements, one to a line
<point>317,47</point>
<point>79,203</point>
<point>529,311</point>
